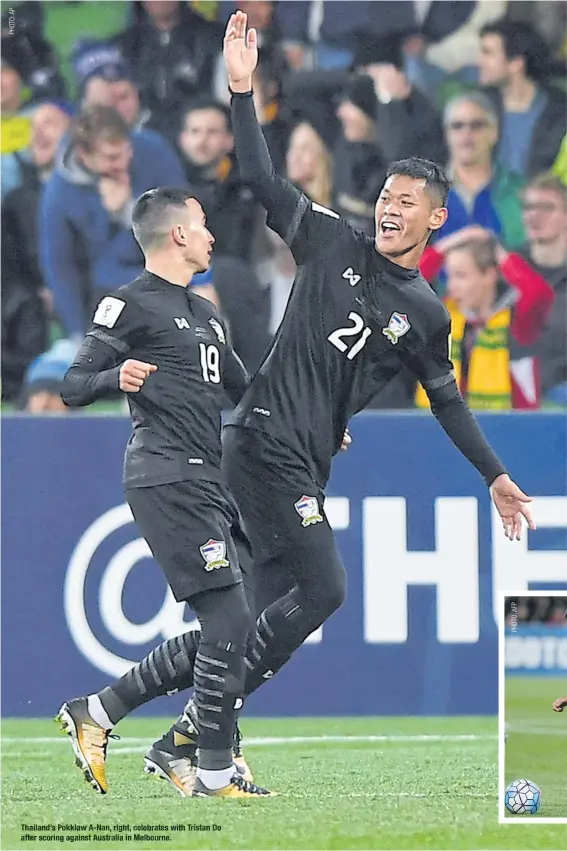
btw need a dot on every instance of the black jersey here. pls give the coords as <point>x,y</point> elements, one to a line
<point>353,321</point>
<point>176,415</point>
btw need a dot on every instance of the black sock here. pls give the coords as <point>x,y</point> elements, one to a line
<point>219,684</point>
<point>167,669</point>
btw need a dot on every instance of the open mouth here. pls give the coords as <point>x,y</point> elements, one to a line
<point>388,228</point>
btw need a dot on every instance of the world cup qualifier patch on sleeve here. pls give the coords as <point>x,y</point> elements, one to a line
<point>108,311</point>
<point>214,553</point>
<point>308,509</point>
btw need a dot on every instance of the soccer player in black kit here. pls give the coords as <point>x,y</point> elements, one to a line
<point>358,313</point>
<point>166,348</point>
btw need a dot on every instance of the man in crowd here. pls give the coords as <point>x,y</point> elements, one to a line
<point>514,62</point>
<point>498,305</point>
<point>545,219</point>
<point>103,79</point>
<point>481,193</point>
<point>24,294</point>
<point>234,219</point>
<point>172,52</point>
<point>86,242</point>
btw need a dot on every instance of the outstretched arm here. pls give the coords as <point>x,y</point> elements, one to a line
<point>434,370</point>
<point>303,225</point>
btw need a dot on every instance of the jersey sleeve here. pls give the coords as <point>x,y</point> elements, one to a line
<point>95,372</point>
<point>433,367</point>
<point>235,377</point>
<point>434,370</point>
<point>306,227</point>
<point>117,321</point>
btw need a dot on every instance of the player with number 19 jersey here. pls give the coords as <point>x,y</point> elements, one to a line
<point>176,420</point>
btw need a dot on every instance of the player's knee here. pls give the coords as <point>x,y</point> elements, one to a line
<point>224,615</point>
<point>332,595</point>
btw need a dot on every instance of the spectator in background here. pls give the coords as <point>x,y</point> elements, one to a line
<point>324,35</point>
<point>16,110</point>
<point>560,165</point>
<point>309,164</point>
<point>261,17</point>
<point>270,108</point>
<point>545,221</point>
<point>103,79</point>
<point>234,218</point>
<point>498,305</point>
<point>482,193</point>
<point>359,163</point>
<point>44,379</point>
<point>24,302</point>
<point>172,53</point>
<point>408,124</point>
<point>43,74</point>
<point>514,60</point>
<point>86,245</point>
<point>383,118</point>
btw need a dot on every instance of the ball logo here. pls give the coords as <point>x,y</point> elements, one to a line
<point>166,623</point>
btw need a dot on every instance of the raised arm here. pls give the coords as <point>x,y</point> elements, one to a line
<point>434,370</point>
<point>302,224</point>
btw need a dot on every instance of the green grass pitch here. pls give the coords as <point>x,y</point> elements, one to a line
<point>399,783</point>
<point>537,740</point>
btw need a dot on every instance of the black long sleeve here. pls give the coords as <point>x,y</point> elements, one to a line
<point>458,421</point>
<point>235,377</point>
<point>94,374</point>
<point>305,226</point>
<point>434,370</point>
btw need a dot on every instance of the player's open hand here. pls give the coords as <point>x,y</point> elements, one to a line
<point>347,440</point>
<point>133,374</point>
<point>512,504</point>
<point>559,704</point>
<point>240,52</point>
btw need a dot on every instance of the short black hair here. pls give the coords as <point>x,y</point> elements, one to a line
<point>201,103</point>
<point>150,214</point>
<point>520,39</point>
<point>437,184</point>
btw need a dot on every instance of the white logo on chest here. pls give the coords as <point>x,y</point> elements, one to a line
<point>351,276</point>
<point>182,323</point>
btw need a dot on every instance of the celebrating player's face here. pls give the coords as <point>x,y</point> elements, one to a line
<point>405,214</point>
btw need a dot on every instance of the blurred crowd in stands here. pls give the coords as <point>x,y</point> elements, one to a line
<point>104,100</point>
<point>536,610</point>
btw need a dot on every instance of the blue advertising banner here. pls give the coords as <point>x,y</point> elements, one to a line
<point>82,600</point>
<point>536,649</point>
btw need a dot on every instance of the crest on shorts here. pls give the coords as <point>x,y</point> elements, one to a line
<point>214,553</point>
<point>218,329</point>
<point>308,509</point>
<point>397,327</point>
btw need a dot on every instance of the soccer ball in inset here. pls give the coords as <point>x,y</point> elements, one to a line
<point>522,796</point>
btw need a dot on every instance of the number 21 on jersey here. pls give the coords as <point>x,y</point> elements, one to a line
<point>357,329</point>
<point>210,363</point>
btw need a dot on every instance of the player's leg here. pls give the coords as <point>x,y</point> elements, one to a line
<point>312,558</point>
<point>291,537</point>
<point>219,692</point>
<point>168,755</point>
<point>171,519</point>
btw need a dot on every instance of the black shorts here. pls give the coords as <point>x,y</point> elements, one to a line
<point>289,531</point>
<point>193,530</point>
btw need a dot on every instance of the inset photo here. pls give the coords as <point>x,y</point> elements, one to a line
<point>533,707</point>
